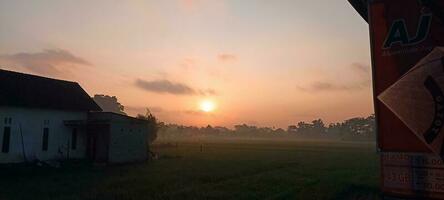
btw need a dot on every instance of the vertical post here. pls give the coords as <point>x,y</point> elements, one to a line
<point>68,149</point>
<point>23,143</point>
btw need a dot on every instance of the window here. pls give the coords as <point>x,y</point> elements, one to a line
<point>45,139</point>
<point>6,139</point>
<point>74,139</point>
<point>8,120</point>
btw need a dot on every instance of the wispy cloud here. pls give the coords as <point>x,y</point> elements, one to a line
<point>169,87</point>
<point>207,92</point>
<point>325,86</point>
<point>226,57</point>
<point>197,113</point>
<point>194,112</point>
<point>165,86</point>
<point>330,86</point>
<point>322,86</point>
<point>188,63</point>
<point>49,62</point>
<point>359,70</point>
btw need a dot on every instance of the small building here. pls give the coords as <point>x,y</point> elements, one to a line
<point>49,119</point>
<point>113,137</point>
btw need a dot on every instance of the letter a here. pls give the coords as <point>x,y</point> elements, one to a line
<point>398,34</point>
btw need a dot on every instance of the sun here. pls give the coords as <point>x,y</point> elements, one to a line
<point>207,106</point>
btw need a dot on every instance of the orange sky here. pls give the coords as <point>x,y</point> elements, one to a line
<point>265,63</point>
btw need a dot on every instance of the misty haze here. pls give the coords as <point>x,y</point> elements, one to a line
<point>206,99</point>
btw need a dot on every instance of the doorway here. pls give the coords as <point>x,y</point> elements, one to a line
<point>98,142</point>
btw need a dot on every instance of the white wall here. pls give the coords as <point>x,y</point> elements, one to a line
<point>31,123</point>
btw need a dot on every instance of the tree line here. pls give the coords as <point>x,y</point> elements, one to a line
<point>358,128</point>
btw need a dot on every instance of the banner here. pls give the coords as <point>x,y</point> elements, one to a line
<point>407,46</point>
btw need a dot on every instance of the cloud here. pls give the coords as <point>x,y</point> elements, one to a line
<point>208,92</point>
<point>169,87</point>
<point>227,57</point>
<point>194,112</point>
<point>197,113</point>
<point>165,86</point>
<point>361,68</point>
<point>359,73</point>
<point>48,61</point>
<point>323,86</point>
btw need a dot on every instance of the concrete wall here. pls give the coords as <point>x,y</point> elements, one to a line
<point>32,122</point>
<point>127,142</point>
<point>128,137</point>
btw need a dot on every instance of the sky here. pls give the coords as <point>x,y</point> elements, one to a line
<point>260,62</point>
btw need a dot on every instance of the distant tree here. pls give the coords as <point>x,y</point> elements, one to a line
<point>304,127</point>
<point>223,130</point>
<point>280,132</point>
<point>354,128</point>
<point>371,120</point>
<point>318,126</point>
<point>358,126</point>
<point>208,130</point>
<point>153,125</point>
<point>336,129</point>
<point>243,128</point>
<point>109,103</point>
<point>315,127</point>
<point>292,129</point>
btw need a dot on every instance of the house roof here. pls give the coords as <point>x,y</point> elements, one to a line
<point>112,116</point>
<point>25,90</point>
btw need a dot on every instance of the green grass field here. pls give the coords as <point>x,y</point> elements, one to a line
<point>223,170</point>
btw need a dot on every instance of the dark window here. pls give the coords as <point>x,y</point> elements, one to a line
<point>6,139</point>
<point>74,139</point>
<point>45,139</point>
<point>8,120</point>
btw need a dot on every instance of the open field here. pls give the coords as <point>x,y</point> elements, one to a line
<point>222,170</point>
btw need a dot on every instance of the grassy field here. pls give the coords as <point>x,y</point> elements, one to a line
<point>223,170</point>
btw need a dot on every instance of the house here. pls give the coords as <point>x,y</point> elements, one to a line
<point>48,119</point>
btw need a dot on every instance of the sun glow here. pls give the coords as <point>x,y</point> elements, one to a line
<point>207,106</point>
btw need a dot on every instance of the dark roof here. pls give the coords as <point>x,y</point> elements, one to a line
<point>112,115</point>
<point>25,90</point>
